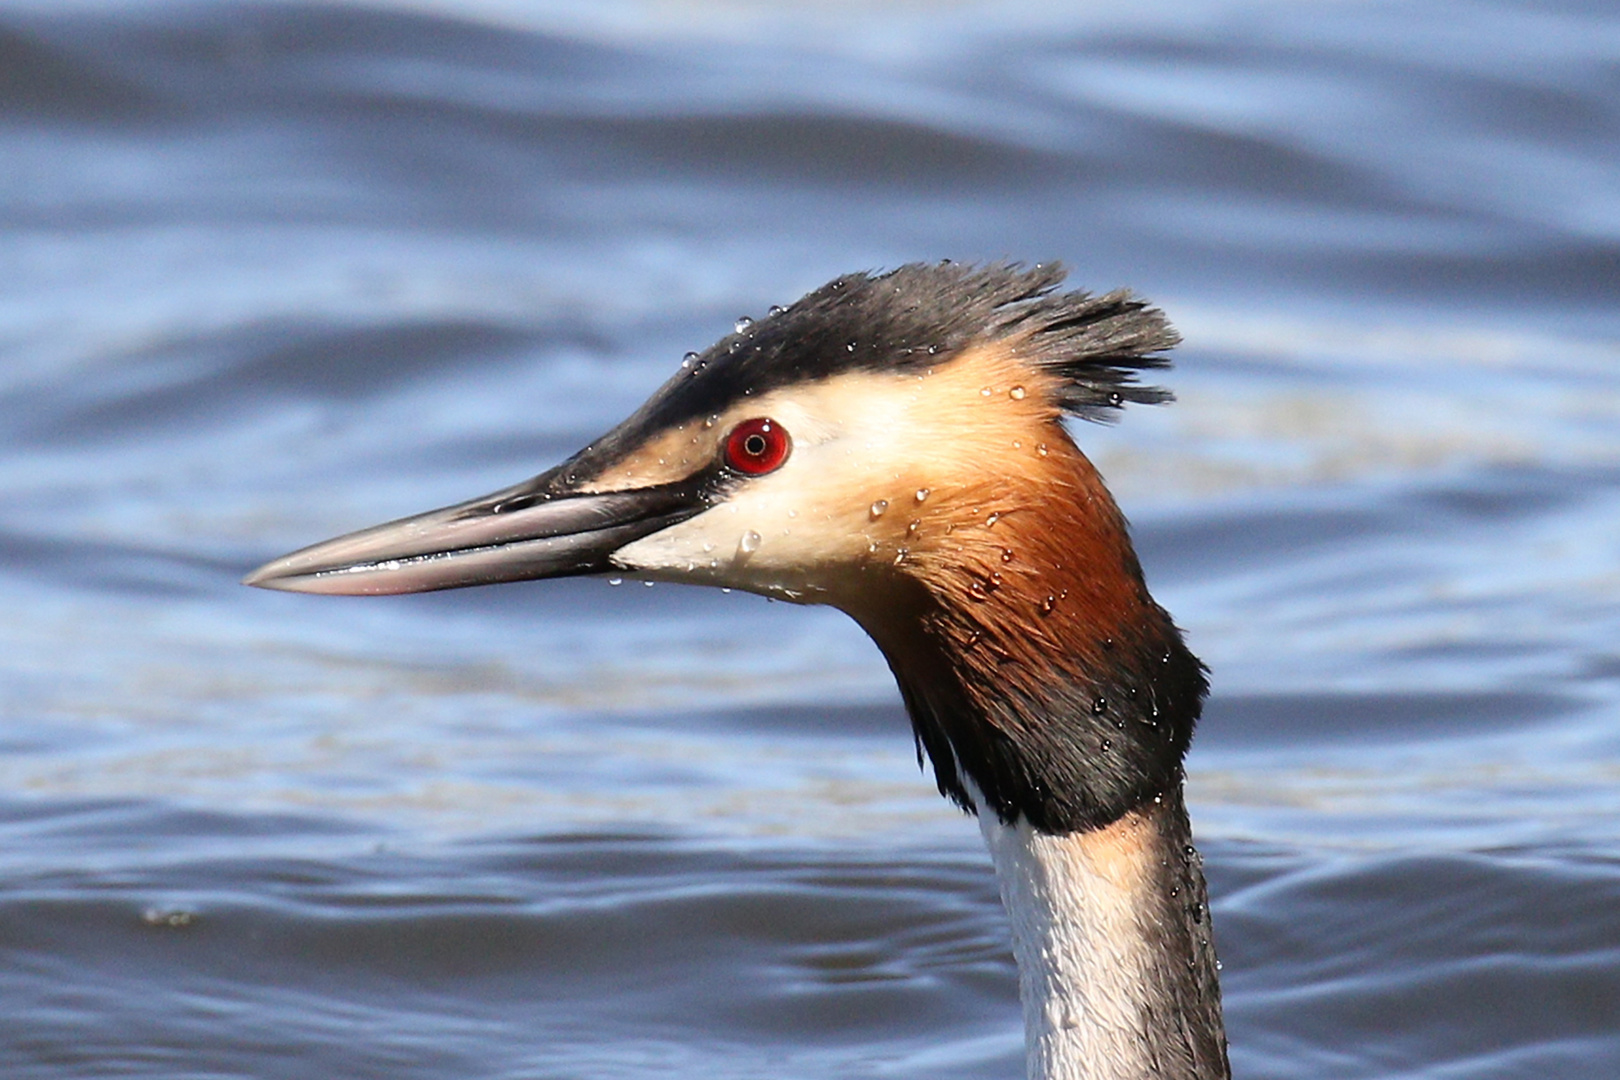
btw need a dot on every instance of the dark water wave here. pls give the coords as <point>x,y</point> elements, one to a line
<point>1524,940</point>
<point>479,959</point>
<point>247,368</point>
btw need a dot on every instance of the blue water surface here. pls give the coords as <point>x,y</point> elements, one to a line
<point>273,271</point>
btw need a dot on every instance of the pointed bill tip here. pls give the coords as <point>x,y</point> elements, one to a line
<point>262,578</point>
<point>272,576</point>
<point>294,573</point>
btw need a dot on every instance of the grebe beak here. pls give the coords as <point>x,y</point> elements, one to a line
<point>538,529</point>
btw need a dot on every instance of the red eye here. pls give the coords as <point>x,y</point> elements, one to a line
<point>757,446</point>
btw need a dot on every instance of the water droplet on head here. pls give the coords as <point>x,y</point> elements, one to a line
<point>871,547</point>
<point>849,346</point>
<point>649,584</point>
<point>990,521</point>
<point>1116,398</point>
<point>995,581</point>
<point>1048,604</point>
<point>775,309</point>
<point>1017,393</point>
<point>1017,445</point>
<point>933,349</point>
<point>689,359</point>
<point>1099,706</point>
<point>922,494</point>
<point>878,508</point>
<point>1040,448</point>
<point>986,392</point>
<point>750,542</point>
<point>900,556</point>
<point>911,529</point>
<point>1107,746</point>
<point>708,546</point>
<point>978,591</point>
<point>615,581</point>
<point>743,323</point>
<point>1006,555</point>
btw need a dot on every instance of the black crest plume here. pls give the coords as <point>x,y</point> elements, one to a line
<point>919,316</point>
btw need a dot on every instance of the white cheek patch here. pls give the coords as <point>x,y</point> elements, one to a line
<point>707,546</point>
<point>778,533</point>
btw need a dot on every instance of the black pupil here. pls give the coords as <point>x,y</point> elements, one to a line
<point>754,445</point>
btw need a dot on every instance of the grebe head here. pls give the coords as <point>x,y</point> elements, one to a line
<point>894,446</point>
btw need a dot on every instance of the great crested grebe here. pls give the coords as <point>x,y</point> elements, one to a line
<point>894,446</point>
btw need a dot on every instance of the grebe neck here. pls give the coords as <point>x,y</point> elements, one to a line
<point>1110,928</point>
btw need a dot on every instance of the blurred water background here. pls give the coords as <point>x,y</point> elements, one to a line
<point>270,272</point>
